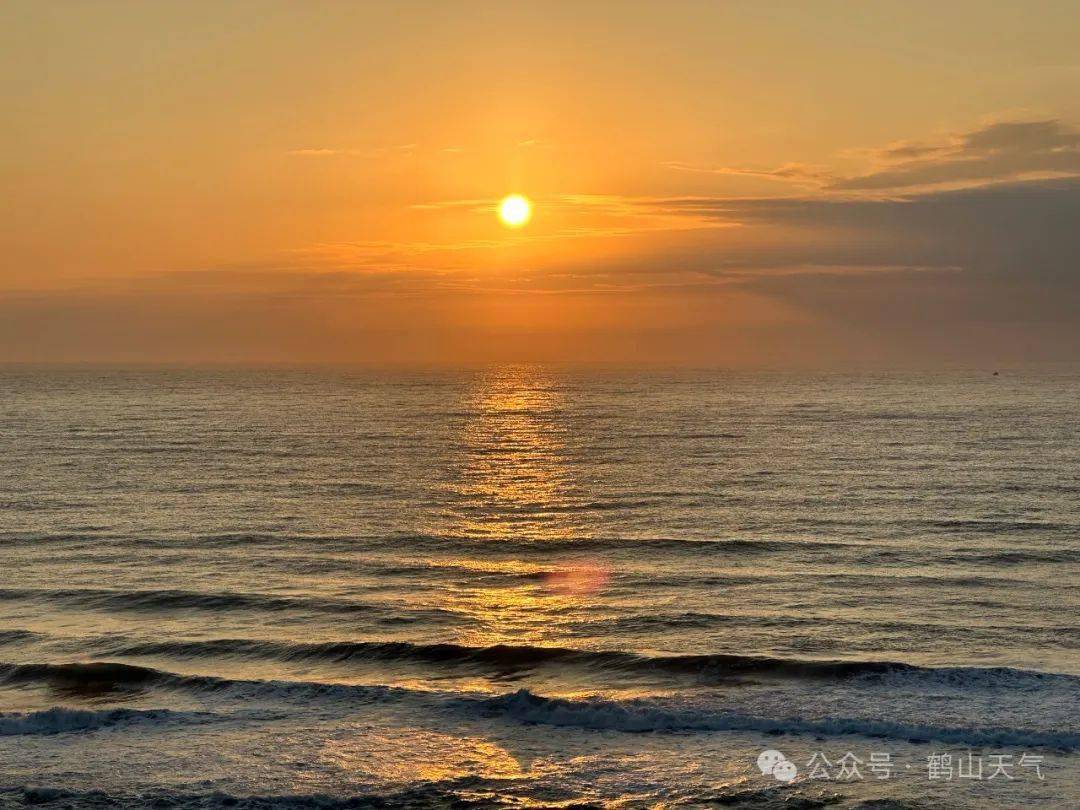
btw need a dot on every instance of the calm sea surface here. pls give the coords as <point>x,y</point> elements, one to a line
<point>534,586</point>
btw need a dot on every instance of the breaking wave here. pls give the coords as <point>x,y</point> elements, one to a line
<point>633,715</point>
<point>645,716</point>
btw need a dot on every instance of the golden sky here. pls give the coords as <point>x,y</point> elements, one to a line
<point>715,183</point>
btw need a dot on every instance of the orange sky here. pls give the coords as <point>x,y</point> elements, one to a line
<point>715,183</point>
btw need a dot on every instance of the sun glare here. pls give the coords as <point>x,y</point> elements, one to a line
<point>515,210</point>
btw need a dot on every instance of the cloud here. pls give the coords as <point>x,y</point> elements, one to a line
<point>977,274</point>
<point>996,152</point>
<point>315,152</point>
<point>404,150</point>
<point>1008,150</point>
<point>998,251</point>
<point>1024,229</point>
<point>925,272</point>
<point>792,172</point>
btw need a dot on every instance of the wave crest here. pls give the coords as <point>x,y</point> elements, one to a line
<point>646,716</point>
<point>505,658</point>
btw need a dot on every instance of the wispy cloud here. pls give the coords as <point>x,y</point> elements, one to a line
<point>396,149</point>
<point>316,152</point>
<point>1007,150</point>
<point>993,153</point>
<point>404,149</point>
<point>791,172</point>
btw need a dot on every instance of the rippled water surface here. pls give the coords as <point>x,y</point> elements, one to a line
<point>530,586</point>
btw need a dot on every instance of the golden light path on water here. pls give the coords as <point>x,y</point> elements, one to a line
<point>514,480</point>
<point>421,753</point>
<point>517,480</point>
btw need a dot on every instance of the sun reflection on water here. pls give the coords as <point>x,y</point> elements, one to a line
<point>405,755</point>
<point>515,480</point>
<point>514,477</point>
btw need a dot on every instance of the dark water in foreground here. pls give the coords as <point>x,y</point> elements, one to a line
<point>532,586</point>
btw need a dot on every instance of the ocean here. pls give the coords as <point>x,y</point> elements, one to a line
<point>532,586</point>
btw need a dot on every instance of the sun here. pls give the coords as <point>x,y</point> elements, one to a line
<point>515,210</point>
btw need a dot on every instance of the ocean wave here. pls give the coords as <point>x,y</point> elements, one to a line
<point>15,636</point>
<point>445,542</point>
<point>444,793</point>
<point>688,435</point>
<point>161,600</point>
<point>472,791</point>
<point>638,623</point>
<point>999,526</point>
<point>59,720</point>
<point>1014,556</point>
<point>509,659</point>
<point>92,675</point>
<point>100,677</point>
<point>644,715</point>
